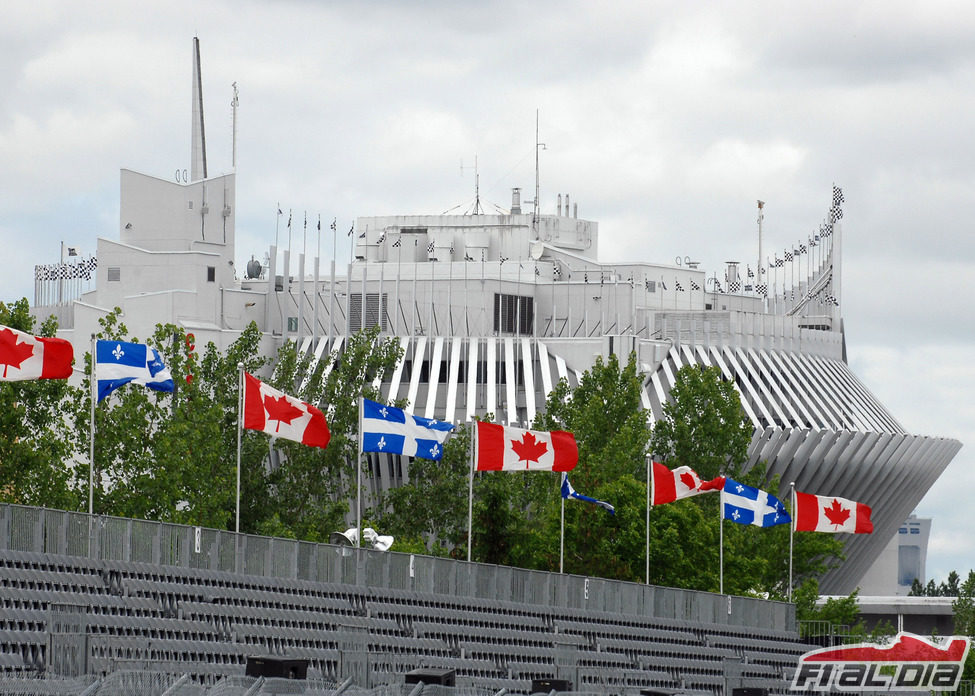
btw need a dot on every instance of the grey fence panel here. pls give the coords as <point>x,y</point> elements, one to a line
<point>51,531</point>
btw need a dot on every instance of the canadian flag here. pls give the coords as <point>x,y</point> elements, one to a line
<point>827,513</point>
<point>280,415</point>
<point>23,356</point>
<point>682,482</point>
<point>500,448</point>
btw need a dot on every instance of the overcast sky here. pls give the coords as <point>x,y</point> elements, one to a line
<point>663,121</point>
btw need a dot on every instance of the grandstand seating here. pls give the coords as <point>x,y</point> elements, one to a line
<point>204,623</point>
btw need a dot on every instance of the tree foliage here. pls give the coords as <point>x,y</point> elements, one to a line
<point>34,454</point>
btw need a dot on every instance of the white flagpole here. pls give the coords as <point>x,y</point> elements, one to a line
<point>240,422</point>
<point>792,531</point>
<point>649,492</point>
<point>720,546</point>
<point>562,525</point>
<point>470,493</point>
<point>91,432</point>
<point>358,483</point>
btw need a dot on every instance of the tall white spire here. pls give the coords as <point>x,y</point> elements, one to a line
<point>198,147</point>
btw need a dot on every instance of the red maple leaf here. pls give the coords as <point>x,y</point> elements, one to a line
<point>12,354</point>
<point>281,410</point>
<point>688,480</point>
<point>529,449</point>
<point>836,513</point>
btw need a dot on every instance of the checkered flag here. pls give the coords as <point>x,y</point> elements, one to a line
<point>717,286</point>
<point>585,277</point>
<point>468,257</point>
<point>762,289</point>
<point>836,211</point>
<point>694,285</point>
<point>430,247</point>
<point>788,255</point>
<point>503,259</point>
<point>678,286</point>
<point>827,229</point>
<point>751,273</point>
<point>398,243</point>
<point>537,272</point>
<point>830,299</point>
<point>778,263</point>
<point>382,237</point>
<point>362,235</point>
<point>734,286</point>
<point>556,272</point>
<point>451,250</point>
<point>813,242</point>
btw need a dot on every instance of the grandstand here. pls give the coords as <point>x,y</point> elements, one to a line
<point>106,605</point>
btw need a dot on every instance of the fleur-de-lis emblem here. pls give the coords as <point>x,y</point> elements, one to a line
<point>381,443</point>
<point>735,515</point>
<point>118,352</point>
<point>740,488</point>
<point>435,450</point>
<point>384,411</point>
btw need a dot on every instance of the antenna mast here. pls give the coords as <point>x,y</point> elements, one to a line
<point>233,108</point>
<point>761,216</point>
<point>538,146</point>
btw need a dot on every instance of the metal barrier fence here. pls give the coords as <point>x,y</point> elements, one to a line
<point>159,543</point>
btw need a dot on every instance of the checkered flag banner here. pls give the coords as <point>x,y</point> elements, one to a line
<point>788,255</point>
<point>802,248</point>
<point>680,288</point>
<point>451,248</point>
<point>778,263</point>
<point>813,241</point>
<point>398,243</point>
<point>430,247</point>
<point>503,259</point>
<point>382,237</point>
<point>717,286</point>
<point>734,286</point>
<point>694,285</point>
<point>836,211</point>
<point>537,272</point>
<point>762,289</point>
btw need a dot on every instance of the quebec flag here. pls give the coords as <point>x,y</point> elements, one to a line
<point>747,505</point>
<point>119,362</point>
<point>393,430</point>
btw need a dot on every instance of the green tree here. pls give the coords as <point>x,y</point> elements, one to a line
<point>35,457</point>
<point>309,488</point>
<point>964,610</point>
<point>703,425</point>
<point>429,511</point>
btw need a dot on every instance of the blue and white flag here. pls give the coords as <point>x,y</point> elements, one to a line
<point>393,430</point>
<point>748,505</point>
<point>569,492</point>
<point>120,362</point>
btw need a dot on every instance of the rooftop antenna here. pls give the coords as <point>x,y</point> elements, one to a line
<point>198,146</point>
<point>233,107</point>
<point>478,210</point>
<point>538,146</point>
<point>761,216</point>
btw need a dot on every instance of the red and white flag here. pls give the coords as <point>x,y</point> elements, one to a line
<point>827,513</point>
<point>682,482</point>
<point>500,448</point>
<point>23,356</point>
<point>280,415</point>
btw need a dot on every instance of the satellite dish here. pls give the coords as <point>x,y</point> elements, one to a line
<point>536,250</point>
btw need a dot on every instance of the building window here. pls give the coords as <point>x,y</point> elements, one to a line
<point>375,315</point>
<point>292,324</point>
<point>513,314</point>
<point>211,273</point>
<point>915,530</point>
<point>114,273</point>
<point>908,564</point>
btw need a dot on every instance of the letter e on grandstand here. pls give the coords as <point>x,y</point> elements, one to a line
<point>907,663</point>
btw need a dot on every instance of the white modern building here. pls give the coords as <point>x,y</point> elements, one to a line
<point>492,310</point>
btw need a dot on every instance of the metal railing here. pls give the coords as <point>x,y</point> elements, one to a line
<point>42,530</point>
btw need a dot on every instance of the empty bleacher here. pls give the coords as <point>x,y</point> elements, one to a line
<point>367,614</point>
